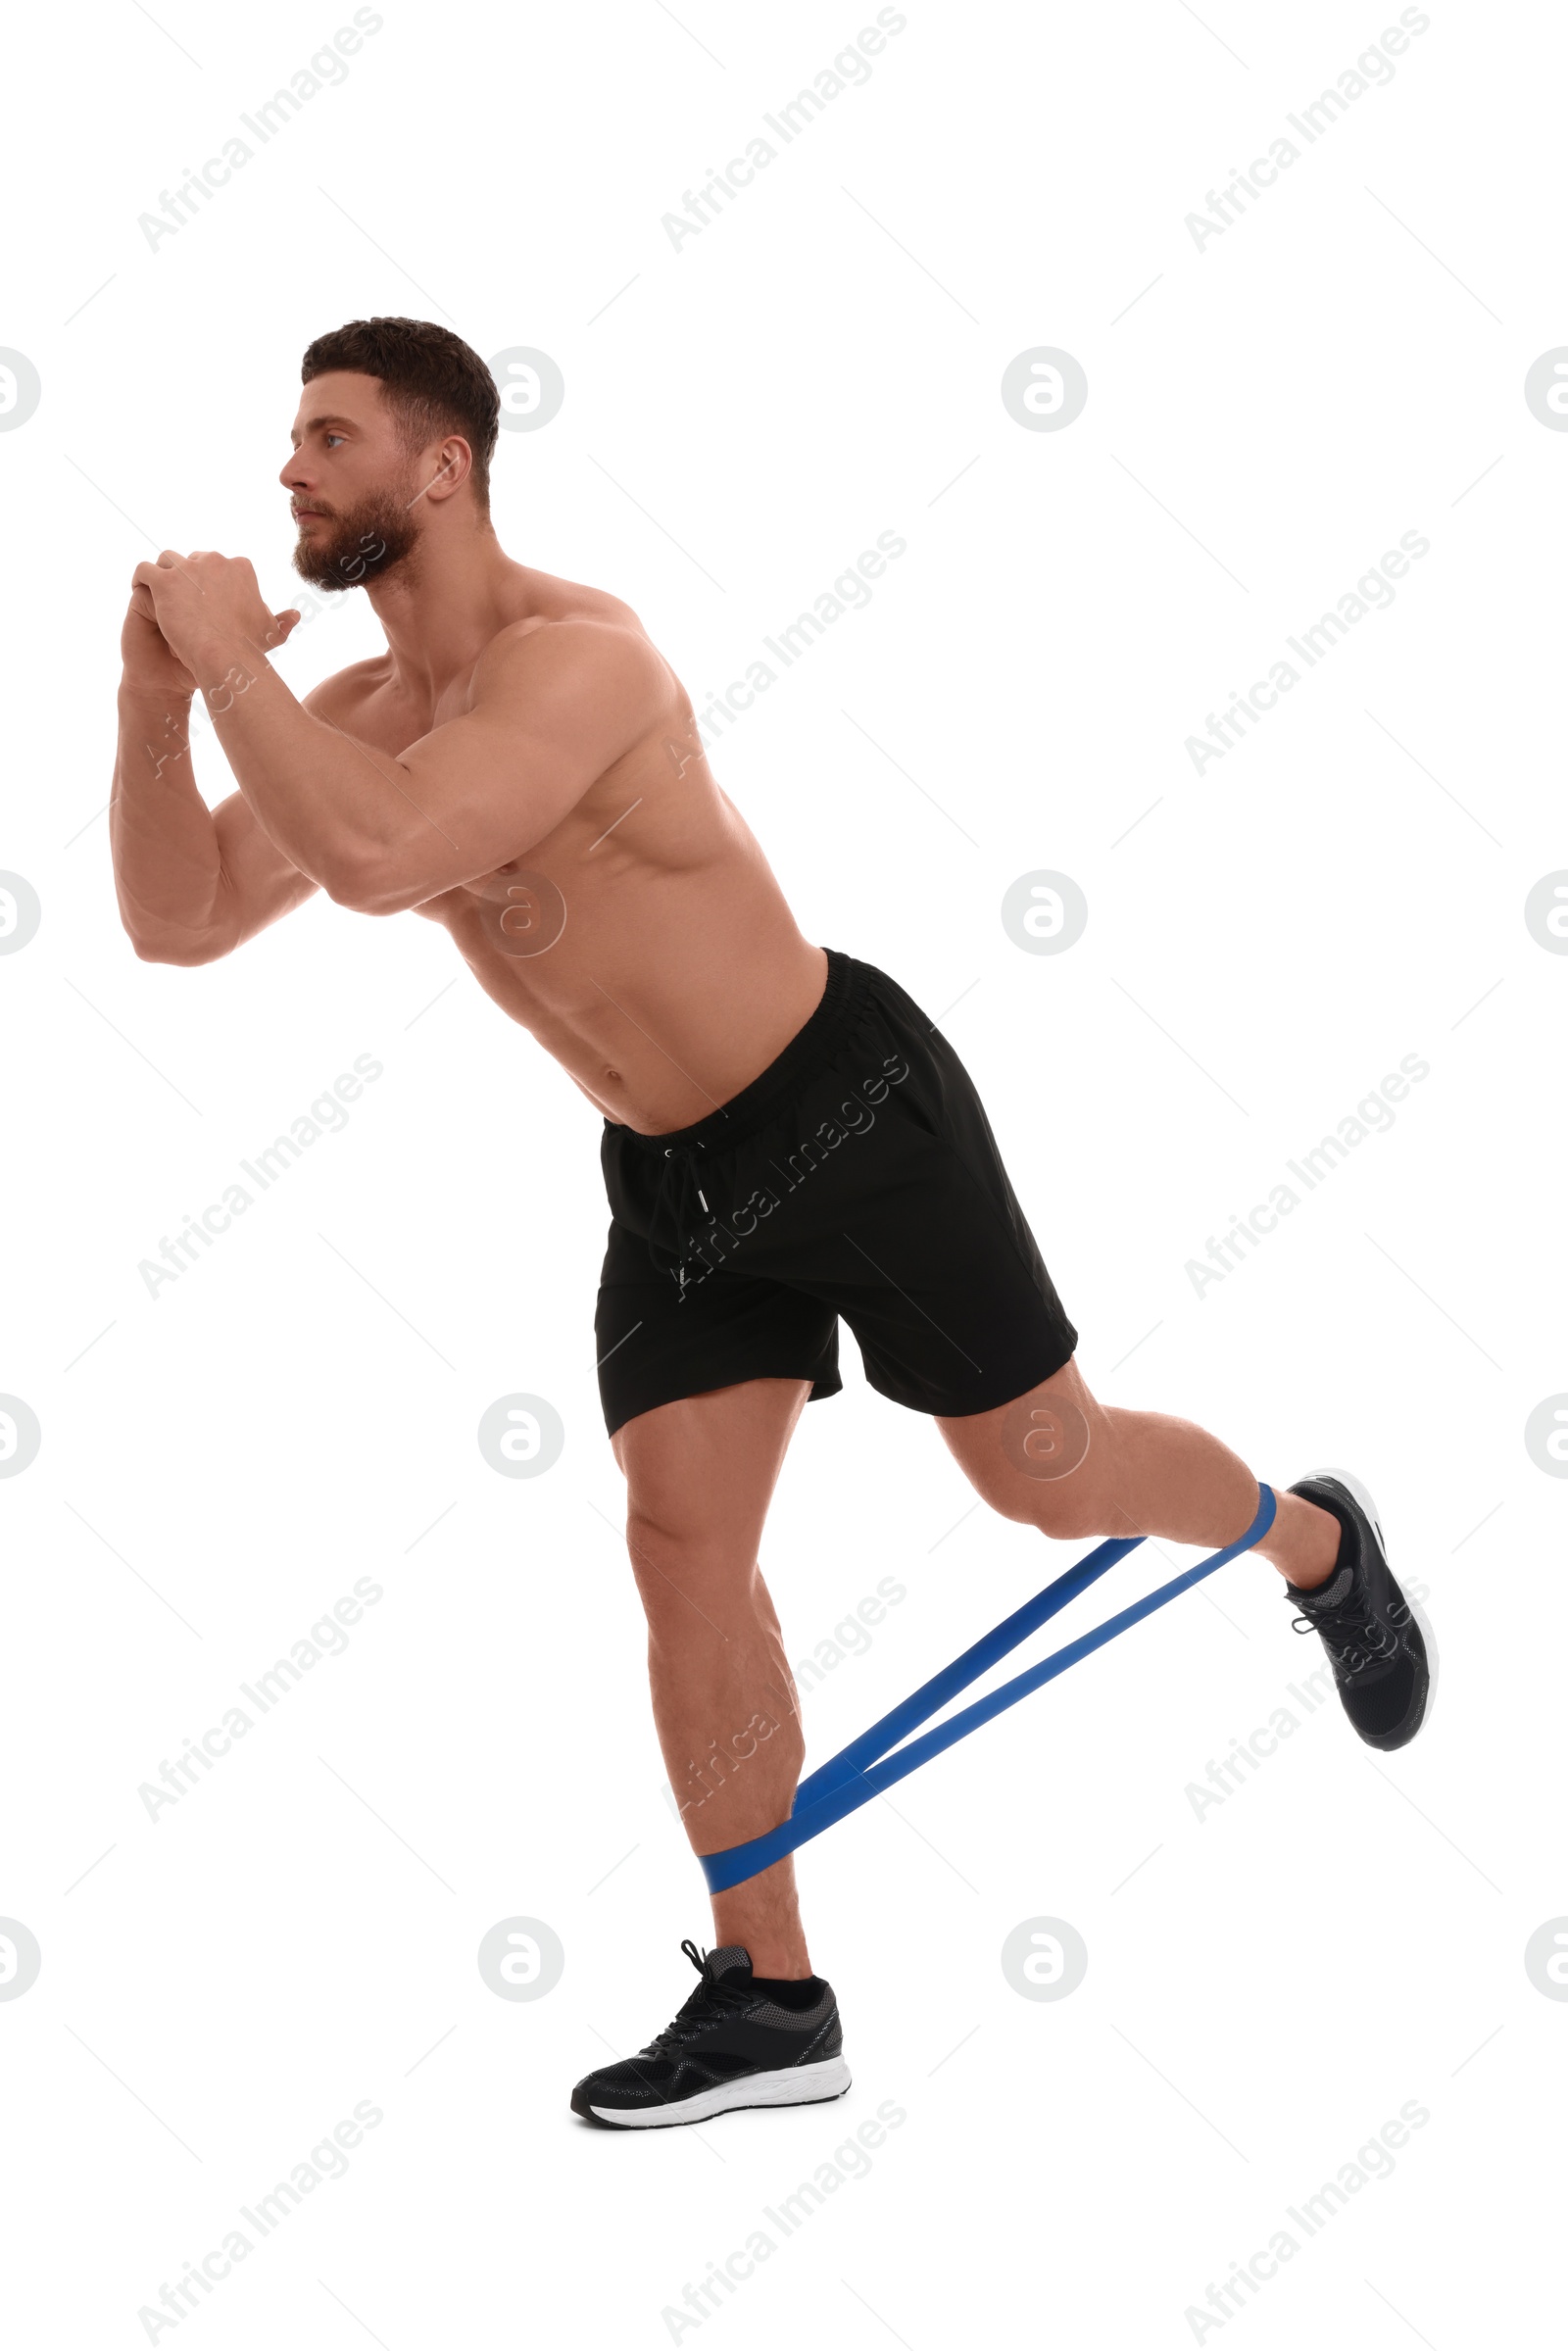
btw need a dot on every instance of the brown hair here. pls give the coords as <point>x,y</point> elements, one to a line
<point>432,380</point>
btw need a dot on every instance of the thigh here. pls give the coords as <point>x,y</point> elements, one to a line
<point>701,1471</point>
<point>1047,1458</point>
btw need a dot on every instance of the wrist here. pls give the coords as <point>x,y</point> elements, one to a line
<point>224,666</point>
<point>147,686</point>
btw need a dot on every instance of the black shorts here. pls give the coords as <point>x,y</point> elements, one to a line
<point>857,1176</point>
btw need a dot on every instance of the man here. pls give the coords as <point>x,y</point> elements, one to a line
<point>787,1140</point>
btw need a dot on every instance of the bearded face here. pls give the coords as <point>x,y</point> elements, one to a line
<point>345,547</point>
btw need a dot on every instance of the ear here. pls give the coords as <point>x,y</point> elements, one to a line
<point>450,466</point>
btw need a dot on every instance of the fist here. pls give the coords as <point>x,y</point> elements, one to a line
<point>201,606</point>
<point>146,656</point>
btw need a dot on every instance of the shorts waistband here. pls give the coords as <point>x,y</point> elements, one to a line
<point>812,1047</point>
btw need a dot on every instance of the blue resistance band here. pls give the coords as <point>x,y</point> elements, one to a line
<point>853,1776</point>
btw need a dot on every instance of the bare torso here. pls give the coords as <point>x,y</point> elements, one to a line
<point>643,941</point>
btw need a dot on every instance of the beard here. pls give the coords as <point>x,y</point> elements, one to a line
<point>361,543</point>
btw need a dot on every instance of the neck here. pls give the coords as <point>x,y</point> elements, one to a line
<point>460,588</point>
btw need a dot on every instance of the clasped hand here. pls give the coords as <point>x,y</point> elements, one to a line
<point>208,608</point>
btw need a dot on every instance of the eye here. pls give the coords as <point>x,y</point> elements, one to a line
<point>335,436</point>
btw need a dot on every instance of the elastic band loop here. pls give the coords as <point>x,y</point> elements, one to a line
<point>853,1776</point>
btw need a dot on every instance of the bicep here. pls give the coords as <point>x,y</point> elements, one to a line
<point>549,714</point>
<point>257,884</point>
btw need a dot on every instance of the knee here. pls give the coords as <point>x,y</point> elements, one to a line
<point>1047,1460</point>
<point>656,1541</point>
<point>1065,1504</point>
<point>671,1556</point>
<point>1066,1508</point>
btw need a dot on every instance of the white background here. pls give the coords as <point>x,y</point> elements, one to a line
<point>1265,417</point>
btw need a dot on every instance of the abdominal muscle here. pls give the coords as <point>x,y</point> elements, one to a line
<point>657,962</point>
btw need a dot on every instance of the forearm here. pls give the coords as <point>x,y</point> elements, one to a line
<point>329,803</point>
<point>166,859</point>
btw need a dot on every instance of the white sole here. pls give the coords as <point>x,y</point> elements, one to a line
<point>1349,1480</point>
<point>795,2085</point>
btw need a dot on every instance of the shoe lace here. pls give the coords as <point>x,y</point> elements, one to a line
<point>714,1996</point>
<point>1353,1632</point>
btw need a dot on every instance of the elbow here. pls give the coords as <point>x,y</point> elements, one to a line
<point>346,890</point>
<point>180,947</point>
<point>348,880</point>
<point>182,951</point>
<point>157,939</point>
<point>367,889</point>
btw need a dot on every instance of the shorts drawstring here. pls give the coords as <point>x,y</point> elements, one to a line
<point>681,1201</point>
<point>672,1216</point>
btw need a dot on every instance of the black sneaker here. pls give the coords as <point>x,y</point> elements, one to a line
<point>1378,1648</point>
<point>731,2045</point>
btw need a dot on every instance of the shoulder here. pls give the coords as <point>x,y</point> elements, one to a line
<point>339,697</point>
<point>574,657</point>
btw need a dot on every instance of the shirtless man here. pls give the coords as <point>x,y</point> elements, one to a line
<point>786,1138</point>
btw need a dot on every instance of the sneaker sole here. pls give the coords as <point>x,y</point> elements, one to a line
<point>1363,1499</point>
<point>795,2085</point>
